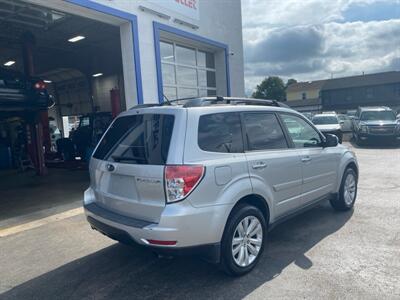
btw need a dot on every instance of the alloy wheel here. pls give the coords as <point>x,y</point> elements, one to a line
<point>349,189</point>
<point>247,241</point>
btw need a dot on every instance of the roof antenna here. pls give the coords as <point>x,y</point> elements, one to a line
<point>167,100</point>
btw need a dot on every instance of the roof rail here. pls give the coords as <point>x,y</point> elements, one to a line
<point>145,105</point>
<point>206,101</point>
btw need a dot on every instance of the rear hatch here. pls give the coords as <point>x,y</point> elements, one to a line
<point>127,168</point>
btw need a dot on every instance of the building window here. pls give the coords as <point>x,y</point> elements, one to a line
<point>186,71</point>
<point>304,96</point>
<point>397,90</point>
<point>369,93</point>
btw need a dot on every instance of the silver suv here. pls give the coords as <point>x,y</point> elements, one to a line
<point>211,176</point>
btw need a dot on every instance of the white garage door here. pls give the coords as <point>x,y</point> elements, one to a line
<point>186,71</point>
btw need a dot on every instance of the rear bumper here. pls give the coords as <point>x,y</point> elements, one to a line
<point>210,252</point>
<point>191,227</point>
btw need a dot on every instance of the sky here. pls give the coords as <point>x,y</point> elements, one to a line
<point>318,39</point>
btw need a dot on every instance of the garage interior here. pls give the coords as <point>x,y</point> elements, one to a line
<point>43,152</point>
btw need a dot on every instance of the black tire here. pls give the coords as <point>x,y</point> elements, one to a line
<point>339,201</point>
<point>228,263</point>
<point>358,141</point>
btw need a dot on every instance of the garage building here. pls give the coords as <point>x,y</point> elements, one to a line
<point>85,61</point>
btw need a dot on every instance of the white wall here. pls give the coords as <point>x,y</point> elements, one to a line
<point>219,21</point>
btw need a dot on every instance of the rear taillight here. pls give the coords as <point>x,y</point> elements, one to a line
<point>180,180</point>
<point>40,85</point>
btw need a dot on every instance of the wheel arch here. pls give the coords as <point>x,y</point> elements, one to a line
<point>352,165</point>
<point>255,200</point>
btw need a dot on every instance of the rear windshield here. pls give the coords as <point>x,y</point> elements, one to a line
<point>139,139</point>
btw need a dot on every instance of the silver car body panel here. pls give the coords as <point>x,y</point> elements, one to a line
<point>287,182</point>
<point>280,180</point>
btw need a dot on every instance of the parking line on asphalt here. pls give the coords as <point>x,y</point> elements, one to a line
<point>37,223</point>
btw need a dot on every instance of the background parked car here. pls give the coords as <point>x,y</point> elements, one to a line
<point>351,113</point>
<point>376,123</point>
<point>19,91</point>
<point>345,122</point>
<point>329,123</point>
<point>308,115</point>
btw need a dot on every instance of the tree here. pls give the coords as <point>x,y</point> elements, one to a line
<point>271,88</point>
<point>290,81</point>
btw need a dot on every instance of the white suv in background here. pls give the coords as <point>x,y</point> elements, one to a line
<point>329,123</point>
<point>212,175</point>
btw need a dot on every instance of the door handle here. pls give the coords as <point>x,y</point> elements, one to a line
<point>306,159</point>
<point>259,165</point>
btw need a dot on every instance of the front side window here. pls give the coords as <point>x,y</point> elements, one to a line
<point>221,132</point>
<point>303,134</point>
<point>137,139</point>
<point>263,132</point>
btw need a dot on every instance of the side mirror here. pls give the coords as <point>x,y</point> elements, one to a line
<point>341,122</point>
<point>331,140</point>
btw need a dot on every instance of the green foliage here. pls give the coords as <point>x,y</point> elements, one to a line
<point>272,88</point>
<point>290,81</point>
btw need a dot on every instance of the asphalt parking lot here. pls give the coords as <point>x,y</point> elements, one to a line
<point>320,254</point>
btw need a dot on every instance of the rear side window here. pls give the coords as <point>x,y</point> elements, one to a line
<point>138,139</point>
<point>263,132</point>
<point>220,132</point>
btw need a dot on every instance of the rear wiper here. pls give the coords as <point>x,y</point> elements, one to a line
<point>123,158</point>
